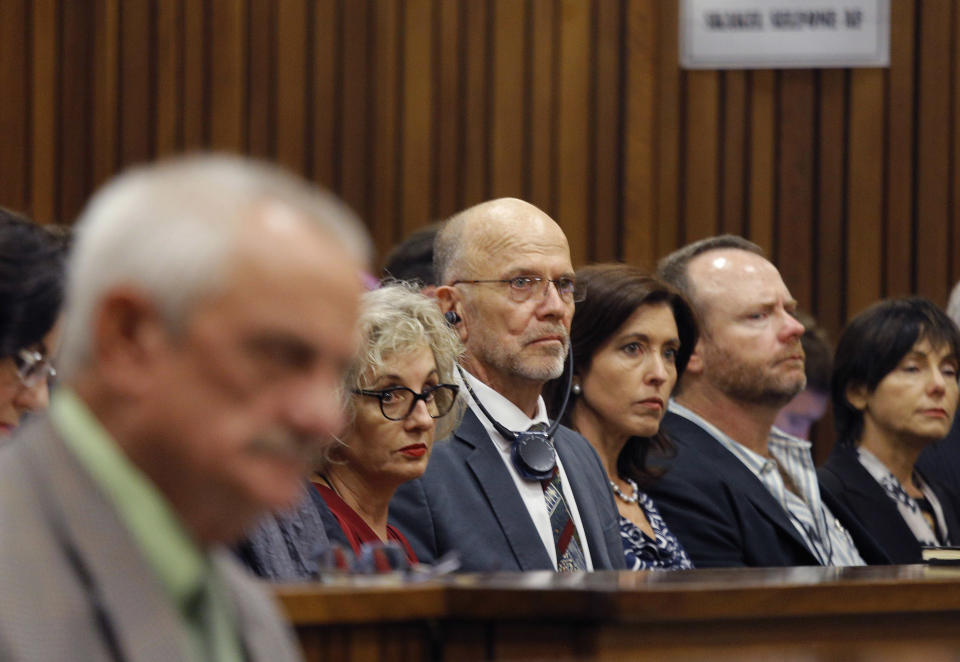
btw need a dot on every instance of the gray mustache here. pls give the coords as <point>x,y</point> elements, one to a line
<point>287,445</point>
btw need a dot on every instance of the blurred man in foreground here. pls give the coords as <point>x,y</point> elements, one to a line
<point>210,312</point>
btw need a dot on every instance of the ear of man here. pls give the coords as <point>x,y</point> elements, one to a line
<point>695,365</point>
<point>130,338</point>
<point>448,298</point>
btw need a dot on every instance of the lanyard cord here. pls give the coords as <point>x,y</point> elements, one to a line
<point>509,435</point>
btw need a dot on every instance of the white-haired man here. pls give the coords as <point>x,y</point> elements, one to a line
<point>504,499</point>
<point>941,461</point>
<point>210,312</point>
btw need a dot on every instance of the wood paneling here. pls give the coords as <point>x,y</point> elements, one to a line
<point>413,109</point>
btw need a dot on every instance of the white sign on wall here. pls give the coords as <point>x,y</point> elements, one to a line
<point>766,34</point>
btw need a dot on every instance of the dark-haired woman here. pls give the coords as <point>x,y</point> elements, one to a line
<point>631,339</point>
<point>894,392</point>
<point>31,293</point>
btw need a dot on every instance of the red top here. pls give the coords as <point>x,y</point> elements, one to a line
<point>357,531</point>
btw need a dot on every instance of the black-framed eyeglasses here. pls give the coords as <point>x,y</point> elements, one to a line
<point>33,367</point>
<point>397,402</point>
<point>522,288</point>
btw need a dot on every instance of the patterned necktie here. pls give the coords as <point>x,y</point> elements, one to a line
<point>565,537</point>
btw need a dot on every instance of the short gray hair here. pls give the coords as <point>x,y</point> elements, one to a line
<point>449,248</point>
<point>170,228</point>
<point>953,306</point>
<point>397,319</point>
<point>673,268</point>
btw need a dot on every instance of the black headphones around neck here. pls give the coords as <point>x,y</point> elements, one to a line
<point>532,451</point>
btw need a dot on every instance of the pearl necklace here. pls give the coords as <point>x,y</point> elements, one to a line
<point>633,498</point>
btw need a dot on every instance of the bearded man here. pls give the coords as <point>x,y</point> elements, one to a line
<point>502,498</point>
<point>740,492</point>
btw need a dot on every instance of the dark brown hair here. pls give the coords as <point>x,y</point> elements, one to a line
<point>613,293</point>
<point>32,266</point>
<point>874,343</point>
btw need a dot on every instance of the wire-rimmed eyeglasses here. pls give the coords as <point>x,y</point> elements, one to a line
<point>397,402</point>
<point>33,367</point>
<point>522,288</point>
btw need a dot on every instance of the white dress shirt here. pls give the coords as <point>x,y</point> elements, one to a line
<point>531,491</point>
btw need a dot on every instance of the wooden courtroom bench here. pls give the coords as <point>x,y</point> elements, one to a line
<point>810,613</point>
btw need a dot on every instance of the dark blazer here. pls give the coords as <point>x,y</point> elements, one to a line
<point>286,547</point>
<point>55,523</point>
<point>723,515</point>
<point>940,462</point>
<point>866,500</point>
<point>467,501</point>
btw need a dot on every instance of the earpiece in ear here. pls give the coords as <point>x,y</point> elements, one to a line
<point>452,318</point>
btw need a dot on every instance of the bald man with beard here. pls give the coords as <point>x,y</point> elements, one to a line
<point>506,284</point>
<point>740,492</point>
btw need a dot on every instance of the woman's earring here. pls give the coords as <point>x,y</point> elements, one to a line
<point>576,389</point>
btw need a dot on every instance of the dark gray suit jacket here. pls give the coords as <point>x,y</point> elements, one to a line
<point>467,501</point>
<point>49,508</point>
<point>940,462</point>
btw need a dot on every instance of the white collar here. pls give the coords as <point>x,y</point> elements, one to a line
<point>501,409</point>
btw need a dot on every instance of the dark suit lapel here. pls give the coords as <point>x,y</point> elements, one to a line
<point>872,510</point>
<point>144,619</point>
<point>735,472</point>
<point>497,484</point>
<point>585,495</point>
<point>949,503</point>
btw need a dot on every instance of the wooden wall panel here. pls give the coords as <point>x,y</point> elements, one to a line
<point>13,116</point>
<point>43,104</point>
<point>540,122</point>
<point>795,183</point>
<point>417,113</point>
<point>475,148</point>
<point>701,136</point>
<point>641,168</point>
<point>733,113</point>
<point>865,190</point>
<point>168,99</point>
<point>898,266</point>
<point>933,148</point>
<point>507,126</point>
<point>573,126</point>
<point>323,82</point>
<point>667,96</point>
<point>135,117</point>
<point>448,117</point>
<point>762,164</point>
<point>289,76</point>
<point>353,134</point>
<point>384,222</point>
<point>195,114</point>
<point>607,131</point>
<point>413,109</point>
<point>828,258</point>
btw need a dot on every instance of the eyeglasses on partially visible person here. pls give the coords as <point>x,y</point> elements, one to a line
<point>398,398</point>
<point>631,340</point>
<point>32,262</point>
